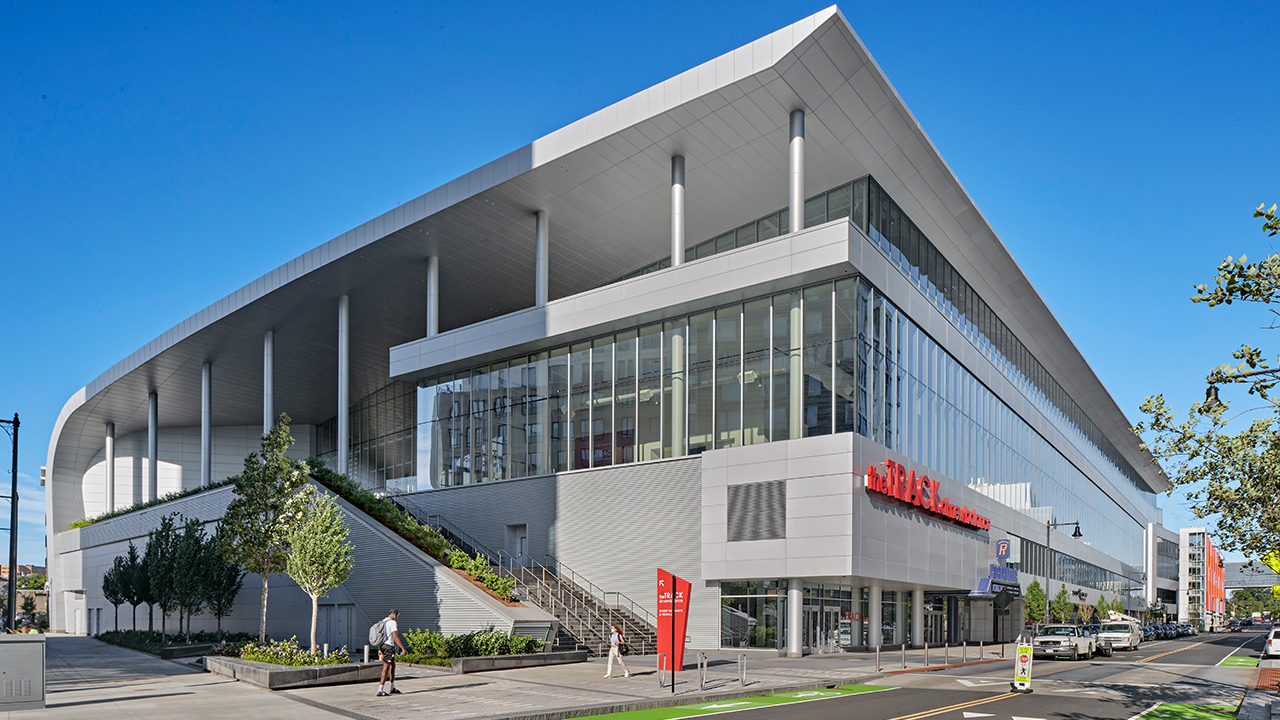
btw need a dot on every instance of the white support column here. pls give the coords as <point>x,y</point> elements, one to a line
<point>111,466</point>
<point>677,210</point>
<point>796,185</point>
<point>542,259</point>
<point>153,447</point>
<point>268,381</point>
<point>875,638</point>
<point>795,617</point>
<point>433,295</point>
<point>900,618</point>
<point>344,384</point>
<point>206,425</point>
<point>917,617</point>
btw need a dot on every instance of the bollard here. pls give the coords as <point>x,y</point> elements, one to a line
<point>742,669</point>
<point>702,671</point>
<point>661,682</point>
<point>964,652</point>
<point>946,653</point>
<point>366,653</point>
<point>904,656</point>
<point>926,654</point>
<point>979,649</point>
<point>877,658</point>
<point>326,649</point>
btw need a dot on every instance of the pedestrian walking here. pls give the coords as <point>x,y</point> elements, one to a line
<point>616,641</point>
<point>385,635</point>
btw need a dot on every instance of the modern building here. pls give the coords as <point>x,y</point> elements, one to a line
<point>1163,563</point>
<point>1202,594</point>
<point>745,326</point>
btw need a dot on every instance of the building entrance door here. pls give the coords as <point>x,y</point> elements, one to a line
<point>822,628</point>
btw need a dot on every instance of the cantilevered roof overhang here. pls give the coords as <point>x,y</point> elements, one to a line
<point>605,182</point>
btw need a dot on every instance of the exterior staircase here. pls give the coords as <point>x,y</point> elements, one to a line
<point>583,610</point>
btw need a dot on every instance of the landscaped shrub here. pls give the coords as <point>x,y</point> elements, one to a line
<point>425,537</point>
<point>153,641</point>
<point>287,652</point>
<point>475,644</point>
<point>83,522</point>
<point>501,586</point>
<point>458,560</point>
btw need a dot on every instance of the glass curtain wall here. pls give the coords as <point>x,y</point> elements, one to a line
<point>383,447</point>
<point>841,358</point>
<point>753,614</point>
<point>873,211</point>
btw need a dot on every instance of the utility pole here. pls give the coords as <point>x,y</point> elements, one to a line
<point>12,610</point>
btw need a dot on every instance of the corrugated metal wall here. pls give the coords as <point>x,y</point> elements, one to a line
<point>607,524</point>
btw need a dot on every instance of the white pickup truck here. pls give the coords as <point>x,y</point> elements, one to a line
<point>1059,640</point>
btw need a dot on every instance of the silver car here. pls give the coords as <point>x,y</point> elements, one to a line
<point>1060,640</point>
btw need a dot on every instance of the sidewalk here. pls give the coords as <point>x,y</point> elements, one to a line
<point>90,679</point>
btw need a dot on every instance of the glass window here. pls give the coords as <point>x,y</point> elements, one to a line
<point>767,227</point>
<point>602,402</point>
<point>580,405</point>
<point>728,376</point>
<point>701,360</point>
<point>817,360</point>
<point>755,371</point>
<point>815,211</point>
<point>673,389</point>
<point>846,370</point>
<point>787,366</point>
<point>624,398</point>
<point>558,407</point>
<point>649,400</point>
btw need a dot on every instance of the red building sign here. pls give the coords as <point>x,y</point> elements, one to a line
<point>673,617</point>
<point>922,492</point>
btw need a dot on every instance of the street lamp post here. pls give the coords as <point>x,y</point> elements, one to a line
<point>1049,525</point>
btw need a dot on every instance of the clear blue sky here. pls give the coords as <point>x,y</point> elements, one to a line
<point>157,156</point>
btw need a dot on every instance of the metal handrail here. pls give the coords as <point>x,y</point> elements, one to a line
<point>632,606</point>
<point>589,623</point>
<point>459,537</point>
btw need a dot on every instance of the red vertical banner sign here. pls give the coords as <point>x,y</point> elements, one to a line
<point>673,617</point>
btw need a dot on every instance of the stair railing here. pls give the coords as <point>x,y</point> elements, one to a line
<point>620,600</point>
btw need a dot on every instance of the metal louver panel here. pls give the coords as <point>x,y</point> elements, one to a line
<point>758,511</point>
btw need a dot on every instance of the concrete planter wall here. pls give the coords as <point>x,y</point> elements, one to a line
<point>509,662</point>
<point>280,677</point>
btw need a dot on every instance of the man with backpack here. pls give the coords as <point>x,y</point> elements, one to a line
<point>382,635</point>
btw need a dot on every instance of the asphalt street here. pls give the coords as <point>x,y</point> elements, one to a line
<point>1183,671</point>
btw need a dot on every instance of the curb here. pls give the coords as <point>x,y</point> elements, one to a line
<point>590,710</point>
<point>934,668</point>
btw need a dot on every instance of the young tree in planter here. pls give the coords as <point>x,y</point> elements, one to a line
<point>319,555</point>
<point>159,561</point>
<point>257,519</point>
<point>189,576</point>
<point>1061,607</point>
<point>1086,611</point>
<point>224,578</point>
<point>114,588</point>
<point>1033,607</point>
<point>133,582</point>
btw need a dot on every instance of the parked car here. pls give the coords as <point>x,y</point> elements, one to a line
<point>1122,635</point>
<point>1148,633</point>
<point>1060,640</point>
<point>1272,647</point>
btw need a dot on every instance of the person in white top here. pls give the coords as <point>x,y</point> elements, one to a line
<point>615,639</point>
<point>387,653</point>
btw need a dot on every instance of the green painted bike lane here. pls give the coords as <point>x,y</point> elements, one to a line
<point>1238,661</point>
<point>749,703</point>
<point>1176,711</point>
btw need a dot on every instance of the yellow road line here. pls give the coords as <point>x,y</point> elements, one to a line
<point>949,708</point>
<point>1153,657</point>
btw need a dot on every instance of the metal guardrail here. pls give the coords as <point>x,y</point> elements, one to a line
<point>621,601</point>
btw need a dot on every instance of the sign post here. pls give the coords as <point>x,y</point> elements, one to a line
<point>1022,668</point>
<point>673,619</point>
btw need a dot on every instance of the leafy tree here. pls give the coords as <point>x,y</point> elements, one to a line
<point>224,579</point>
<point>189,576</point>
<point>1229,462</point>
<point>1156,610</point>
<point>1061,607</point>
<point>319,556</point>
<point>29,604</point>
<point>133,582</point>
<point>1086,611</point>
<point>1034,604</point>
<point>32,582</point>
<point>114,582</point>
<point>159,559</point>
<point>257,520</point>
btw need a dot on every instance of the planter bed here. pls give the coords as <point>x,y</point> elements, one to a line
<point>174,652</point>
<point>281,677</point>
<point>510,662</point>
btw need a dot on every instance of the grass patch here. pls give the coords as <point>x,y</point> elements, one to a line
<point>1177,711</point>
